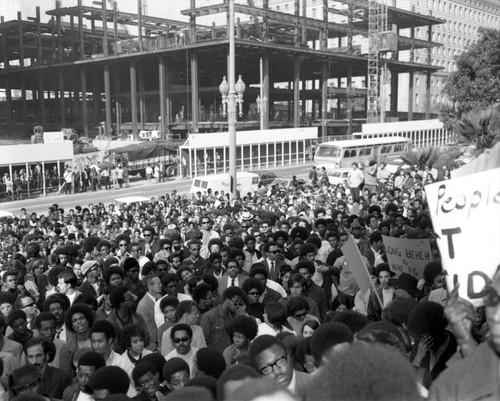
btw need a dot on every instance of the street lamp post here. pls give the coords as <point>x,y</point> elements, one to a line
<point>232,94</point>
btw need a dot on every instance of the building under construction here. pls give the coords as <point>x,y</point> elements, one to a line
<point>100,71</point>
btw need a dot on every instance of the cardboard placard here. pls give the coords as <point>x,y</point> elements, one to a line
<point>465,213</point>
<point>356,264</point>
<point>407,255</point>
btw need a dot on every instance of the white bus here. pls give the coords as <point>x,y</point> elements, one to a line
<point>337,154</point>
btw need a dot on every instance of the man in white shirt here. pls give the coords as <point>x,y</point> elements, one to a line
<point>182,335</point>
<point>66,284</point>
<point>355,178</point>
<point>187,313</point>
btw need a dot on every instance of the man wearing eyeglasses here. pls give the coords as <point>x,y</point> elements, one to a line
<point>232,277</point>
<point>272,360</point>
<point>181,335</point>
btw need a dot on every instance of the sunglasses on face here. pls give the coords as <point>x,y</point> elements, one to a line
<point>180,340</point>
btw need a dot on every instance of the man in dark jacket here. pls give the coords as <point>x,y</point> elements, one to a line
<point>87,364</point>
<point>53,380</point>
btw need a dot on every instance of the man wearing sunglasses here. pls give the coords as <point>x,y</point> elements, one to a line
<point>272,359</point>
<point>181,335</point>
<point>272,259</point>
<point>206,224</point>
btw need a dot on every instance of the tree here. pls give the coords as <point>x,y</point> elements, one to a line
<point>432,157</point>
<point>475,85</point>
<point>479,128</point>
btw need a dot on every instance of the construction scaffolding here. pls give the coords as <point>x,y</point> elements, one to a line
<point>377,24</point>
<point>137,72</point>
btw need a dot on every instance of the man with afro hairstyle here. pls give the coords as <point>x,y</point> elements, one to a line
<point>355,373</point>
<point>86,365</point>
<point>107,381</point>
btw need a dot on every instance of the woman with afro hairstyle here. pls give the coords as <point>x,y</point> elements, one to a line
<point>242,330</point>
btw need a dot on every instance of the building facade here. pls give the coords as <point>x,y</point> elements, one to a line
<point>461,29</point>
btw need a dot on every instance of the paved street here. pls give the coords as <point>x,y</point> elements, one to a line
<point>139,188</point>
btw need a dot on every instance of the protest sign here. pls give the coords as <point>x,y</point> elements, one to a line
<point>465,213</point>
<point>407,255</point>
<point>356,264</point>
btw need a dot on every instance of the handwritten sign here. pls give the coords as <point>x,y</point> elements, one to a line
<point>407,255</point>
<point>465,212</point>
<point>356,264</point>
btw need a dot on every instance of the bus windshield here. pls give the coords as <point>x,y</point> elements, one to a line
<point>328,151</point>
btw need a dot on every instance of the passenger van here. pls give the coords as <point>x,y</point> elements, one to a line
<point>245,182</point>
<point>337,154</point>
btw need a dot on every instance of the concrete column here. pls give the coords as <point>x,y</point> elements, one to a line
<point>428,95</point>
<point>39,37</point>
<point>161,84</point>
<point>267,93</point>
<point>394,93</point>
<point>139,14</point>
<point>60,47</point>
<point>41,97</point>
<point>107,99</point>
<point>96,104</point>
<point>195,112</point>
<point>105,41</point>
<point>8,97</point>
<point>142,100</point>
<point>410,97</point>
<point>296,92</point>
<point>23,99</point>
<point>133,96</point>
<point>20,39</point>
<point>62,99</point>
<point>349,103</point>
<point>324,99</point>
<point>168,93</point>
<point>428,76</point>
<point>80,32</point>
<point>73,37</point>
<point>84,110</point>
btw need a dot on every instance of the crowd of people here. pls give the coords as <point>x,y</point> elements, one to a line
<point>206,297</point>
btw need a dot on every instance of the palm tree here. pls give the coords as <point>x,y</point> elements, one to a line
<point>480,128</point>
<point>432,157</point>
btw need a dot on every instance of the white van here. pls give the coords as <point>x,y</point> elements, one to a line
<point>245,182</point>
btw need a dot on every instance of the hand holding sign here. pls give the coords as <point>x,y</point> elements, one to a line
<point>460,315</point>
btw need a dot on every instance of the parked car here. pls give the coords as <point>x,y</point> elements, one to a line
<point>127,200</point>
<point>339,175</point>
<point>265,177</point>
<point>285,182</point>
